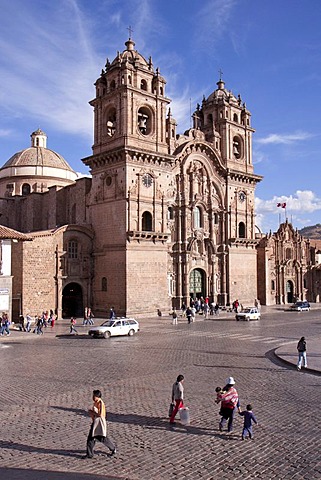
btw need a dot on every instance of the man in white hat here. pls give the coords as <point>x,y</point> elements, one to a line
<point>229,401</point>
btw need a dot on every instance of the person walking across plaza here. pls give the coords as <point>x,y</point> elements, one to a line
<point>28,322</point>
<point>39,325</point>
<point>177,397</point>
<point>72,326</point>
<point>98,428</point>
<point>5,324</point>
<point>229,401</point>
<point>174,316</point>
<point>248,418</point>
<point>302,350</point>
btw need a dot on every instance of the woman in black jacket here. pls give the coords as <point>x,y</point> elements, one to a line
<point>302,349</point>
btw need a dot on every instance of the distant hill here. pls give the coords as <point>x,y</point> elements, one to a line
<point>312,232</point>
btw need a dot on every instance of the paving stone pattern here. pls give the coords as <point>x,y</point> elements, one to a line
<point>46,385</point>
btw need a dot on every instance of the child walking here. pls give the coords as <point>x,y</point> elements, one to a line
<point>248,418</point>
<point>72,326</point>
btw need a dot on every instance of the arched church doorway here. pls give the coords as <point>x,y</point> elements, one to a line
<point>289,291</point>
<point>197,286</point>
<point>72,301</point>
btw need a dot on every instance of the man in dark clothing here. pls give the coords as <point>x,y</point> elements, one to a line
<point>302,349</point>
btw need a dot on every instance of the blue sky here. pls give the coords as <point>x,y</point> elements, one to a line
<point>269,52</point>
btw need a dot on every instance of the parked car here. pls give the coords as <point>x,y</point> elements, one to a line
<point>248,313</point>
<point>300,306</point>
<point>112,328</point>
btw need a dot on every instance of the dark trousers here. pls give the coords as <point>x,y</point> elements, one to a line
<point>227,414</point>
<point>92,440</point>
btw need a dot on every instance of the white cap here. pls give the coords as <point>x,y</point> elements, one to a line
<point>230,381</point>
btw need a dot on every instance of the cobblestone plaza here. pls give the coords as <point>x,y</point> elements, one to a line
<point>47,381</point>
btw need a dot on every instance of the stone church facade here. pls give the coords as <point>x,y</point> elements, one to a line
<point>164,217</point>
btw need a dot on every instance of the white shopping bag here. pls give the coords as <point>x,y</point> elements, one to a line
<point>184,415</point>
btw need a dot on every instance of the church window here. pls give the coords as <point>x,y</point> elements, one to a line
<point>143,85</point>
<point>161,91</point>
<point>241,230</point>
<point>144,120</point>
<point>129,80</point>
<point>109,181</point>
<point>170,213</point>
<point>288,253</point>
<point>173,133</point>
<point>73,249</point>
<point>26,189</point>
<point>304,283</point>
<point>147,222</point>
<point>112,85</point>
<point>235,118</point>
<point>226,114</point>
<point>197,217</point>
<point>272,285</point>
<point>104,284</point>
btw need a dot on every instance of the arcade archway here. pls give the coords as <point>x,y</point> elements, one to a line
<point>72,301</point>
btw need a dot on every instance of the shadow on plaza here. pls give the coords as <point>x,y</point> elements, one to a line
<point>78,411</point>
<point>152,423</point>
<point>162,423</point>
<point>24,474</point>
<point>78,336</point>
<point>21,447</point>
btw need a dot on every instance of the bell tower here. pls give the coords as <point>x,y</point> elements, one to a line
<point>134,138</point>
<point>225,121</point>
<point>130,105</point>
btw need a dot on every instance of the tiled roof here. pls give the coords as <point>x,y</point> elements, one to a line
<point>10,234</point>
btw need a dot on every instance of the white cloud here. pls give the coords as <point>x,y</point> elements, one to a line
<point>49,75</point>
<point>213,21</point>
<point>302,201</point>
<point>5,132</point>
<point>258,157</point>
<point>286,139</point>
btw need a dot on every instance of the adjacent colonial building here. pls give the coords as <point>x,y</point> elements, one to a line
<point>285,263</point>
<point>164,216</point>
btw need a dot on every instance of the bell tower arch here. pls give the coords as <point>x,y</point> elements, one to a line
<point>130,104</point>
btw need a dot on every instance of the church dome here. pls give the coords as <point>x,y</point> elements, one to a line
<point>37,156</point>
<point>130,55</point>
<point>222,94</point>
<point>35,169</point>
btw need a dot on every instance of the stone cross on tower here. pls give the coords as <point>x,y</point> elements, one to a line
<point>130,31</point>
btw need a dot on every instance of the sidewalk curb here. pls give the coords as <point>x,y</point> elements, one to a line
<point>312,371</point>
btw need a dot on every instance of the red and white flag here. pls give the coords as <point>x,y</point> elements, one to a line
<point>282,205</point>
